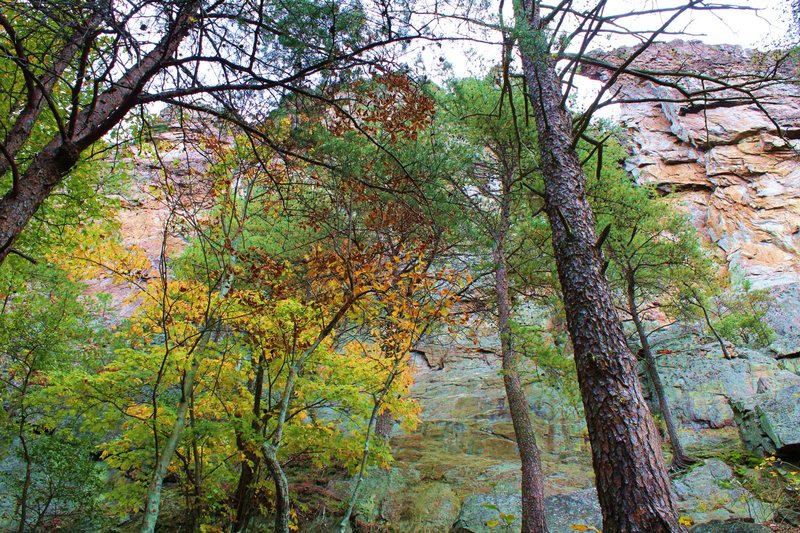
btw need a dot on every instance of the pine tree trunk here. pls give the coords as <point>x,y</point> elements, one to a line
<point>632,482</point>
<point>532,486</point>
<point>713,329</point>
<point>679,458</point>
<point>533,518</point>
<point>19,204</point>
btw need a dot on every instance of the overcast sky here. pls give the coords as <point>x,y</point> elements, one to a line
<point>761,29</point>
<point>759,24</point>
<point>744,27</point>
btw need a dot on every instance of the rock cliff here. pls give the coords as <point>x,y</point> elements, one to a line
<point>733,167</point>
<point>736,173</point>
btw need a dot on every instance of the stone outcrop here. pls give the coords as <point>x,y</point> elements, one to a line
<point>738,177</point>
<point>768,423</point>
<point>463,453</point>
<point>711,492</point>
<point>734,169</point>
<point>562,512</point>
<point>459,469</point>
<point>719,400</point>
<point>733,166</point>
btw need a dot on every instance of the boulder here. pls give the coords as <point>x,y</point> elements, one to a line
<point>718,401</point>
<point>769,423</point>
<point>730,526</point>
<point>711,492</point>
<point>779,415</point>
<point>480,511</point>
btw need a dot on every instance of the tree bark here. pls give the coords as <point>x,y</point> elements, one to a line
<point>679,458</point>
<point>278,476</point>
<point>21,202</point>
<point>533,517</point>
<point>250,465</point>
<point>244,490</point>
<point>153,501</point>
<point>632,482</point>
<point>49,167</point>
<point>532,486</point>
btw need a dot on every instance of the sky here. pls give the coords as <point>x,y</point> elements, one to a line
<point>745,27</point>
<point>762,28</point>
<point>443,60</point>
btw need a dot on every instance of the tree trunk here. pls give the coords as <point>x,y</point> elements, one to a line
<point>679,458</point>
<point>244,490</point>
<point>270,449</point>
<point>533,518</point>
<point>632,482</point>
<point>58,157</point>
<point>196,508</point>
<point>26,483</point>
<point>373,419</point>
<point>21,202</point>
<point>273,465</point>
<point>281,488</point>
<point>153,501</point>
<point>251,462</point>
<point>713,329</point>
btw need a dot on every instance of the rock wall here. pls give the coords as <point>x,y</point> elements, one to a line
<point>459,471</point>
<point>461,464</point>
<point>733,168</point>
<point>736,172</point>
<point>738,177</point>
<point>150,219</point>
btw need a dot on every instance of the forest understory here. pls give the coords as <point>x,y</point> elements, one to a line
<point>270,266</point>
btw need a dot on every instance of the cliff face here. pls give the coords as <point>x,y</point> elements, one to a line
<point>734,169</point>
<point>740,183</point>
<point>168,186</point>
<point>736,172</point>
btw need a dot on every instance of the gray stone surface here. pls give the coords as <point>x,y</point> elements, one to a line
<point>749,397</point>
<point>730,526</point>
<point>711,492</point>
<point>779,414</point>
<point>562,511</point>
